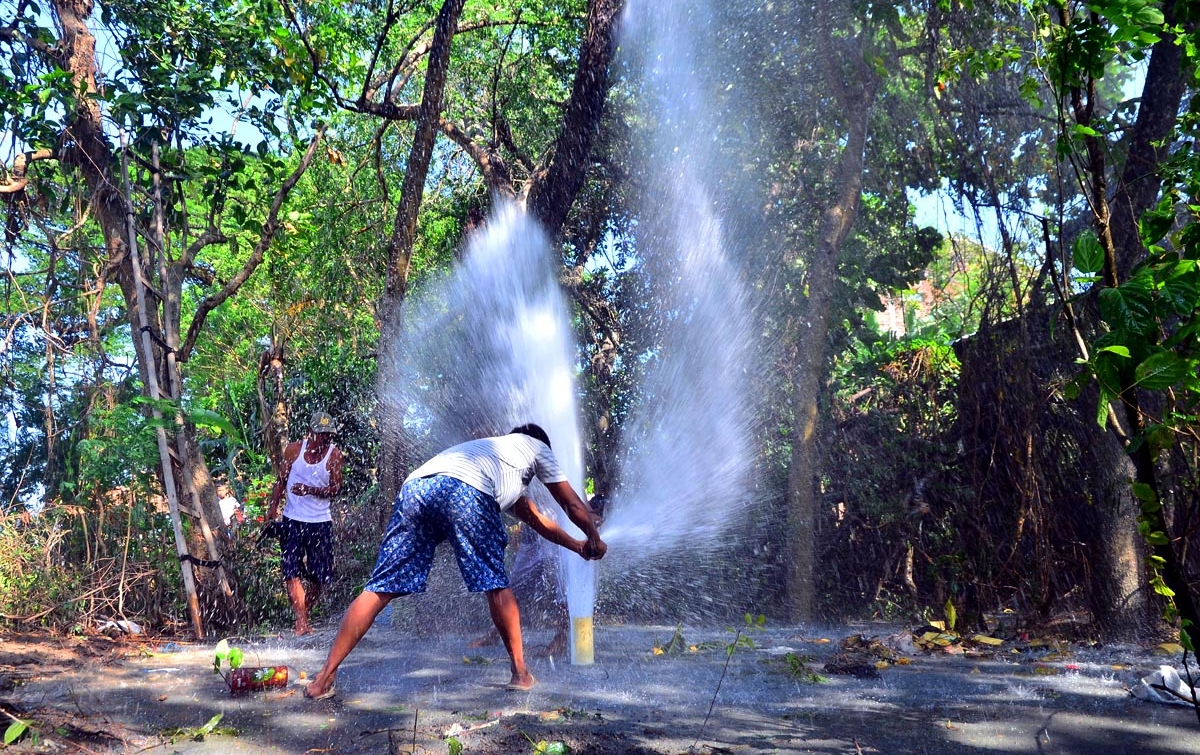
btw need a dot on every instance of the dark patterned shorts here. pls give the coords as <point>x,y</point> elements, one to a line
<point>429,510</point>
<point>307,550</point>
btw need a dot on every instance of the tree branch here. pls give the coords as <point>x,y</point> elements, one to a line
<point>495,172</point>
<point>256,257</point>
<point>18,179</point>
<point>552,190</point>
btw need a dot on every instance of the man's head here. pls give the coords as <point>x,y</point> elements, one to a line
<point>533,431</point>
<point>321,423</point>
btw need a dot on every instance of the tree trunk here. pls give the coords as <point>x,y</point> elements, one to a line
<point>856,95</point>
<point>1116,221</point>
<point>551,192</point>
<point>1118,592</point>
<point>404,229</point>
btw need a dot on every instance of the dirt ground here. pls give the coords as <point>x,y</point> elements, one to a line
<point>652,690</point>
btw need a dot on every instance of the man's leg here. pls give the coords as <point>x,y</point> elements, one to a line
<point>562,624</point>
<point>507,617</point>
<point>295,591</point>
<point>311,595</point>
<point>358,619</point>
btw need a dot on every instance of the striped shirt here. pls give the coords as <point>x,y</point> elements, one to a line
<point>500,467</point>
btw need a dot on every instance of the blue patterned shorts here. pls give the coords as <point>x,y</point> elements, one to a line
<point>429,510</point>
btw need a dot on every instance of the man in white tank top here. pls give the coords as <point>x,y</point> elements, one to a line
<point>311,476</point>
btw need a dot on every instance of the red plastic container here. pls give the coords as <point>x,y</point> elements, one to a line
<point>252,678</point>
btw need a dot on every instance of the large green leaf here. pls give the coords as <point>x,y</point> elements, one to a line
<point>1127,309</point>
<point>1089,255</point>
<point>1160,371</point>
<point>1156,223</point>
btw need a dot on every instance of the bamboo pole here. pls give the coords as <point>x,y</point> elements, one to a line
<point>174,387</point>
<point>147,355</point>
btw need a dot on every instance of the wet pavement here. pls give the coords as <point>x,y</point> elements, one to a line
<point>400,693</point>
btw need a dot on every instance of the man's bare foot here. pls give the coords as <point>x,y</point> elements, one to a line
<point>521,682</point>
<point>319,689</point>
<point>487,640</point>
<point>301,631</point>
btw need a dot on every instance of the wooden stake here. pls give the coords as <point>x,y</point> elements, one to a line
<point>147,356</point>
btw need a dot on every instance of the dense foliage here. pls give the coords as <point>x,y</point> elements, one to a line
<point>996,414</point>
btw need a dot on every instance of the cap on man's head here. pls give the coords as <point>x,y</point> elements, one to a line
<point>321,423</point>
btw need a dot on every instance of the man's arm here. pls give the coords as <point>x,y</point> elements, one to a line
<point>527,511</point>
<point>578,512</point>
<point>290,455</point>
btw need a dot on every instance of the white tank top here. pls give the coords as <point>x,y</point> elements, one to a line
<point>308,508</point>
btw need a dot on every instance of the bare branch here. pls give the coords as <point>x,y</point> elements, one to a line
<point>18,178</point>
<point>11,35</point>
<point>495,173</point>
<point>212,235</point>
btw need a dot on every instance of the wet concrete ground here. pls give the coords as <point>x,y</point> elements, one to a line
<point>400,693</point>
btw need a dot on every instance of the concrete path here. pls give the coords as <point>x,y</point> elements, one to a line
<point>398,693</point>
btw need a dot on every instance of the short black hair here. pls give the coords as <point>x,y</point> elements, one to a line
<point>533,431</point>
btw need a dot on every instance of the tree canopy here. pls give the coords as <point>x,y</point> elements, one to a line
<point>214,213</point>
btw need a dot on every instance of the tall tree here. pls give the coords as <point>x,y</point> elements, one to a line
<point>475,98</point>
<point>1133,355</point>
<point>834,157</point>
<point>121,131</point>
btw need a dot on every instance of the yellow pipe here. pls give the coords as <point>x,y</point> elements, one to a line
<point>582,648</point>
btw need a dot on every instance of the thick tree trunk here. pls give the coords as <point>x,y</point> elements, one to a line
<point>1116,221</point>
<point>1118,593</point>
<point>404,229</point>
<point>855,92</point>
<point>551,192</point>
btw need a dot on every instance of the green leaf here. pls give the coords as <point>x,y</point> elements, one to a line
<point>1160,371</point>
<point>1088,254</point>
<point>1149,16</point>
<point>453,746</point>
<point>1107,372</point>
<point>1162,589</point>
<point>14,731</point>
<point>1102,407</point>
<point>1144,492</point>
<point>1182,289</point>
<point>212,420</point>
<point>207,728</point>
<point>1157,538</point>
<point>1156,223</point>
<point>1121,351</point>
<point>1126,308</point>
<point>235,658</point>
